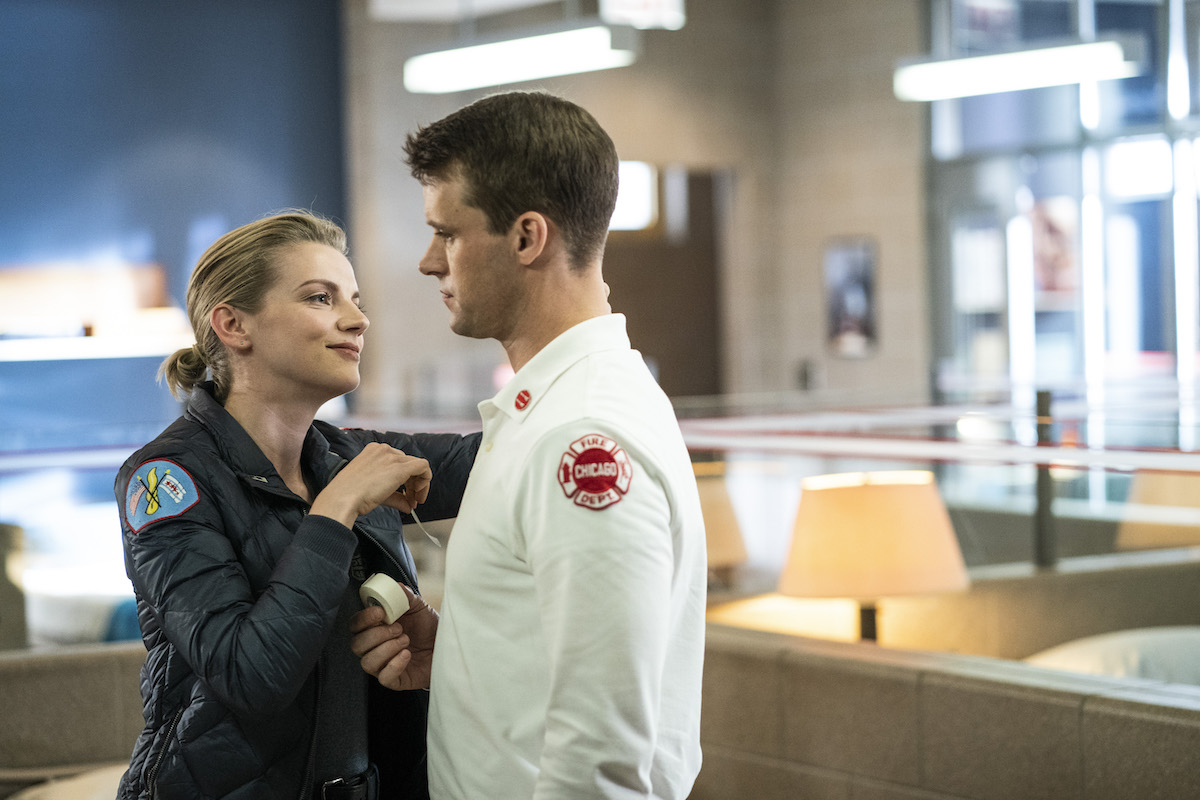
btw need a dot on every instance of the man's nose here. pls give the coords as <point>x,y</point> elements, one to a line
<point>432,263</point>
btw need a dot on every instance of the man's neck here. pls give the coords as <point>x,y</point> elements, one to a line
<point>556,306</point>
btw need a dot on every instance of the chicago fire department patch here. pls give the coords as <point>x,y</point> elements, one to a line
<point>157,490</point>
<point>595,472</point>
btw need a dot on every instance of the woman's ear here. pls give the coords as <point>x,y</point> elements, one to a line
<point>228,323</point>
<point>532,233</point>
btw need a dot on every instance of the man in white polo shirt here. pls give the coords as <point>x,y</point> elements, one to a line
<point>568,659</point>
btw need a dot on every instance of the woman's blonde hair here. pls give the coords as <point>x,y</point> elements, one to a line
<point>238,269</point>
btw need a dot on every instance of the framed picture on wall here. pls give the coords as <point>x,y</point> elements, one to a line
<point>850,296</point>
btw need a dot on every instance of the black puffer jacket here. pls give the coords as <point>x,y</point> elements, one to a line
<point>237,591</point>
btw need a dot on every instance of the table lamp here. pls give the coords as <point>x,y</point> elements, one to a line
<point>723,535</point>
<point>866,535</point>
<point>1162,510</point>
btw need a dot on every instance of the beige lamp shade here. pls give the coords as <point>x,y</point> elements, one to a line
<point>867,535</point>
<point>1162,510</point>
<point>723,535</point>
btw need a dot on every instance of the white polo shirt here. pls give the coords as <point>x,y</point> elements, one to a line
<point>569,653</point>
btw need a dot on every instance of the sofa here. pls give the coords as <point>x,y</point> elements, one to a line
<point>944,707</point>
<point>996,693</point>
<point>67,711</point>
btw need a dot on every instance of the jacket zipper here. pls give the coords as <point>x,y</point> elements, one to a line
<point>163,753</point>
<point>409,579</point>
<point>310,764</point>
<point>405,575</point>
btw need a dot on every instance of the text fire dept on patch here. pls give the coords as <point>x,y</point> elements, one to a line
<point>595,472</point>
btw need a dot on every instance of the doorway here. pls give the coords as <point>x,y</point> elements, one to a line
<point>665,280</point>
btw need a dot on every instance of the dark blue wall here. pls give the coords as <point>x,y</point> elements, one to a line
<point>145,129</point>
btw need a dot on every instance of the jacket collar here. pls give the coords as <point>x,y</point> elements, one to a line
<point>532,382</point>
<point>244,456</point>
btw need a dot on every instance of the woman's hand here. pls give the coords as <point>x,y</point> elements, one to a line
<point>400,655</point>
<point>379,475</point>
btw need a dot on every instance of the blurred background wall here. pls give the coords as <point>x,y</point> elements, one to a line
<point>788,104</point>
<point>134,133</point>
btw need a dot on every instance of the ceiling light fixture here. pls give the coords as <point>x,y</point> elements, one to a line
<point>1053,64</point>
<point>581,45</point>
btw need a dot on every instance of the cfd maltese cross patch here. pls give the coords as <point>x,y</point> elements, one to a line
<point>158,490</point>
<point>595,472</point>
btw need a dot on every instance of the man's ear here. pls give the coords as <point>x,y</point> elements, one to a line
<point>531,232</point>
<point>229,325</point>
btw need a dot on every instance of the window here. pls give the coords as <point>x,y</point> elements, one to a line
<point>1065,219</point>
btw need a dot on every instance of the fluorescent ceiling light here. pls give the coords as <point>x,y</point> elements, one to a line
<point>442,10</point>
<point>537,54</point>
<point>644,14</point>
<point>1034,68</point>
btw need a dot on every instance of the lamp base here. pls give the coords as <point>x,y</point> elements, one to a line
<point>722,578</point>
<point>866,622</point>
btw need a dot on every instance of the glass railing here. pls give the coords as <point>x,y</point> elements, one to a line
<point>1105,480</point>
<point>1081,481</point>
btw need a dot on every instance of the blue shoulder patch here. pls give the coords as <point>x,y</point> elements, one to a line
<point>158,490</point>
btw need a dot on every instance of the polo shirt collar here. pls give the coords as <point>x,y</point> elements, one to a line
<point>532,382</point>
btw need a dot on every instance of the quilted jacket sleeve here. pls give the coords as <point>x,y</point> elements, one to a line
<point>450,457</point>
<point>252,647</point>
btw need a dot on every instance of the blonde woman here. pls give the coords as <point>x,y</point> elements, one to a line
<point>249,527</point>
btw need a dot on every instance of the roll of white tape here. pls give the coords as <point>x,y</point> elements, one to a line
<point>380,590</point>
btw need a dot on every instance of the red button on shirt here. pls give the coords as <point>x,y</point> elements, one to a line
<point>522,400</point>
